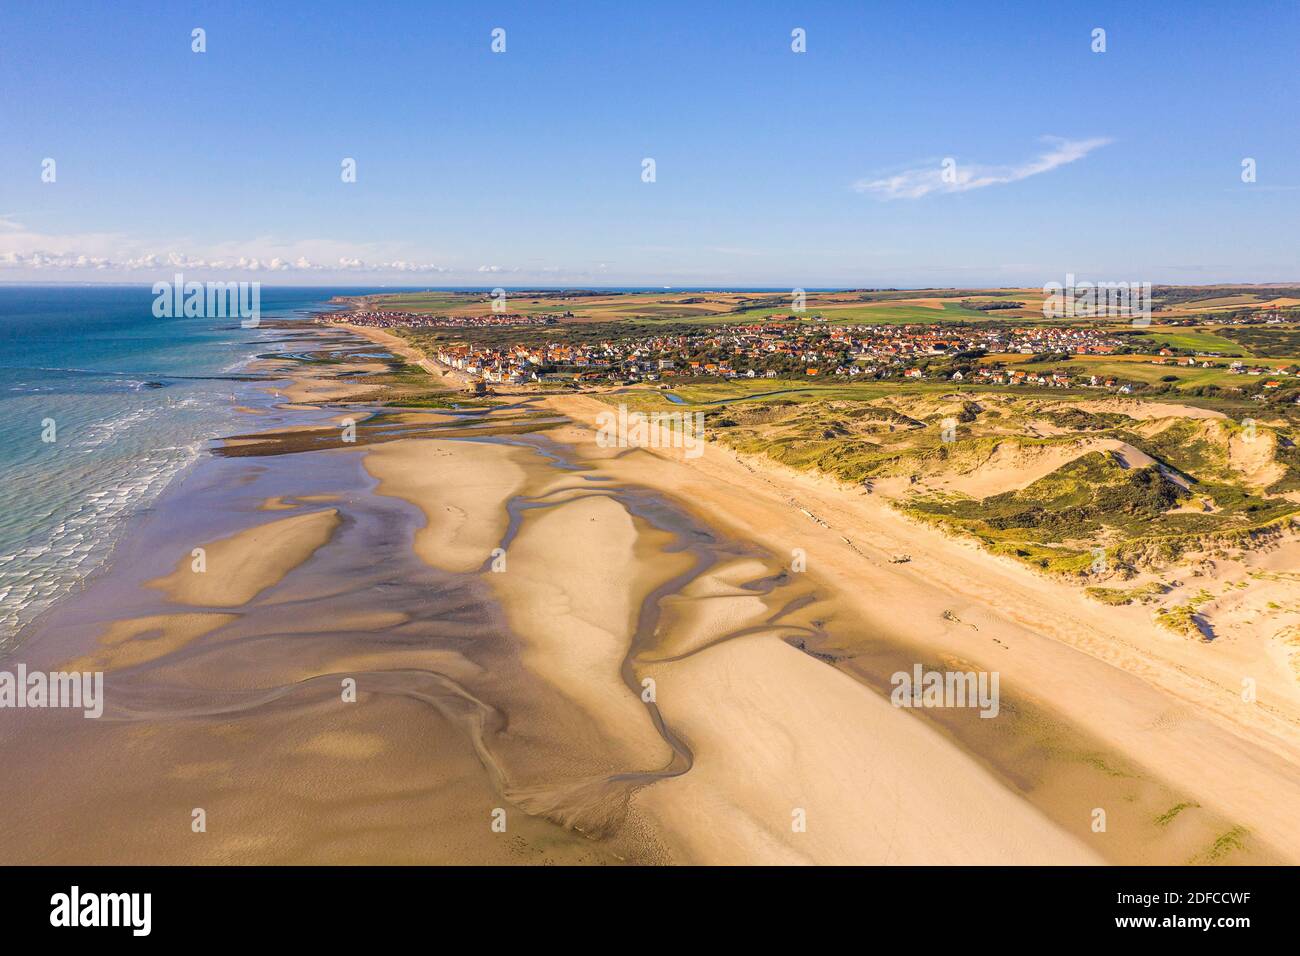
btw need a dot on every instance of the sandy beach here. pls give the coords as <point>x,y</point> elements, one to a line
<point>514,645</point>
<point>1062,665</point>
<point>749,732</point>
<point>1145,700</point>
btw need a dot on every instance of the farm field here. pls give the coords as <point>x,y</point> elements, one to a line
<point>850,307</point>
<point>921,306</point>
<point>1199,340</point>
<point>1140,368</point>
<point>882,313</point>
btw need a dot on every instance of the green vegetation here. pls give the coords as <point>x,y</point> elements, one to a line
<point>1095,501</point>
<point>1054,521</point>
<point>1183,619</point>
<point>1171,814</point>
<point>871,314</point>
<point>410,386</point>
<point>1200,342</point>
<point>425,302</point>
<point>1145,594</point>
<point>1192,446</point>
<point>1234,839</point>
<point>404,385</point>
<point>1076,419</point>
<point>1204,489</point>
<point>1200,296</point>
<point>1270,342</point>
<point>1145,372</point>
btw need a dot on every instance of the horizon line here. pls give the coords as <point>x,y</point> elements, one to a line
<point>625,286</point>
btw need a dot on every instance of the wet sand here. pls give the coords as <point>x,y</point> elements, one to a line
<point>1093,719</point>
<point>399,645</point>
<point>232,571</point>
<point>246,713</point>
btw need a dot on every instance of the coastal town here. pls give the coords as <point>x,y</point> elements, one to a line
<point>389,319</point>
<point>782,348</point>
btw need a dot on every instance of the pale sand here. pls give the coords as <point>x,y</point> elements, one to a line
<point>1134,408</point>
<point>1013,466</point>
<point>1256,459</point>
<point>573,579</point>
<point>573,586</point>
<point>711,607</point>
<point>1153,699</point>
<point>1254,606</point>
<point>241,566</point>
<point>278,503</point>
<point>133,641</point>
<point>409,773</point>
<point>451,377</point>
<point>312,392</point>
<point>346,745</point>
<point>388,781</point>
<point>307,387</point>
<point>776,732</point>
<point>460,486</point>
<point>292,502</point>
<point>772,729</point>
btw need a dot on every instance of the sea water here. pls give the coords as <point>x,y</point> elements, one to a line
<point>130,401</point>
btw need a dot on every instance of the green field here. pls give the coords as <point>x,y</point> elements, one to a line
<point>1193,340</point>
<point>421,302</point>
<point>855,307</point>
<point>1225,301</point>
<point>709,309</point>
<point>1183,377</point>
<point>1270,341</point>
<point>869,434</point>
<point>701,395</point>
<point>873,314</point>
<point>1145,371</point>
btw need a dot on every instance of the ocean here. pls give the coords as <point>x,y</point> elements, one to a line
<point>129,400</point>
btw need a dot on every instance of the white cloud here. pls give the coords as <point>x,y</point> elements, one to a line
<point>923,180</point>
<point>26,251</point>
<point>30,255</point>
<point>60,261</point>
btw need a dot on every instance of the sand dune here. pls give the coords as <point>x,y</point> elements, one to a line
<point>768,728</point>
<point>1256,460</point>
<point>637,656</point>
<point>1143,410</point>
<point>1111,673</point>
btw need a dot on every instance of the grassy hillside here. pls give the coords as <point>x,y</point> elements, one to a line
<point>1139,493</point>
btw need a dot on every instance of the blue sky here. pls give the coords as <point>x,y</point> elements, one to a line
<point>526,167</point>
